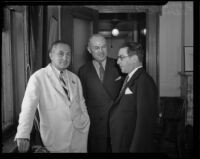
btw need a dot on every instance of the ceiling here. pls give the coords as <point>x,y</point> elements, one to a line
<point>125,22</point>
<point>126,17</point>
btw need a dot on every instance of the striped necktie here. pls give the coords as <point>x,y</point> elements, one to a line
<point>101,71</point>
<point>124,84</point>
<point>64,84</point>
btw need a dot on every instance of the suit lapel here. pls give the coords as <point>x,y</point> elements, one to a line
<point>130,82</point>
<point>107,69</point>
<point>72,84</point>
<point>54,80</point>
<point>95,76</point>
<point>106,75</point>
<point>94,72</point>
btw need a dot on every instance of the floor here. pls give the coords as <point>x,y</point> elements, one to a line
<point>167,146</point>
<point>163,145</point>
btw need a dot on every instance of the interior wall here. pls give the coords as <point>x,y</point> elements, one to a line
<point>170,47</point>
<point>176,31</point>
<point>188,31</point>
<point>115,43</point>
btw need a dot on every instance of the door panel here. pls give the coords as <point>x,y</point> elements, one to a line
<point>82,31</point>
<point>77,24</point>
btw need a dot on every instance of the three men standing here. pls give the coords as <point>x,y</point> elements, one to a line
<point>121,117</point>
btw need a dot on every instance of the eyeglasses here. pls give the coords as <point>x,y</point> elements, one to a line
<point>121,57</point>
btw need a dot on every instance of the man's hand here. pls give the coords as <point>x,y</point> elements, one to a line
<point>75,109</point>
<point>23,145</point>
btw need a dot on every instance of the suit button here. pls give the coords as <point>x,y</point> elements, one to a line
<point>100,118</point>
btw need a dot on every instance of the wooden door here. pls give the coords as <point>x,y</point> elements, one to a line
<point>77,24</point>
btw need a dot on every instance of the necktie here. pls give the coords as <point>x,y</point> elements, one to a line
<point>64,84</point>
<point>101,71</point>
<point>124,84</point>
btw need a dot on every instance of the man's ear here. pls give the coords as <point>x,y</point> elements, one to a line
<point>134,58</point>
<point>50,55</point>
<point>88,48</point>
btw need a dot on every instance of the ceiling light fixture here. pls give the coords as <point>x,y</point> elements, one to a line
<point>115,32</point>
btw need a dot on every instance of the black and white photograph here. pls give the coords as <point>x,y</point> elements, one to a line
<point>99,79</point>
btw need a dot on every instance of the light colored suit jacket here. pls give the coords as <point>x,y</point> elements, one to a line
<point>64,124</point>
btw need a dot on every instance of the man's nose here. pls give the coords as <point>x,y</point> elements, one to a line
<point>100,49</point>
<point>65,56</point>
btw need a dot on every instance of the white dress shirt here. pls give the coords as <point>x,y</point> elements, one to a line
<point>132,72</point>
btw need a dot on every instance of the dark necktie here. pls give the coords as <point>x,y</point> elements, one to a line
<point>124,84</point>
<point>64,84</point>
<point>101,71</point>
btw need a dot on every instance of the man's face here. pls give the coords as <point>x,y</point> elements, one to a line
<point>98,48</point>
<point>60,56</point>
<point>125,62</point>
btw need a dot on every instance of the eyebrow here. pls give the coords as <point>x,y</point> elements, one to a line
<point>65,52</point>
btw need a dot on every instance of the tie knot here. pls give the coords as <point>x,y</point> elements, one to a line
<point>61,77</point>
<point>100,64</point>
<point>61,74</point>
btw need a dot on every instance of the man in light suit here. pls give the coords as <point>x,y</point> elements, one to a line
<point>132,117</point>
<point>57,93</point>
<point>101,81</point>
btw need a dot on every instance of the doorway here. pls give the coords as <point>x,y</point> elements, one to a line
<point>139,24</point>
<point>77,24</point>
<point>131,26</point>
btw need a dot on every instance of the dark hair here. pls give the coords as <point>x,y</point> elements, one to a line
<point>134,48</point>
<point>56,43</point>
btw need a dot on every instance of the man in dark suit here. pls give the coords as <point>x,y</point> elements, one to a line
<point>101,81</point>
<point>132,117</point>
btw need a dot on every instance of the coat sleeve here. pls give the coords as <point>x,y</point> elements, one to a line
<point>28,108</point>
<point>146,116</point>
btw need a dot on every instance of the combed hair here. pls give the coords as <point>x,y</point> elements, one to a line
<point>134,48</point>
<point>56,43</point>
<point>94,35</point>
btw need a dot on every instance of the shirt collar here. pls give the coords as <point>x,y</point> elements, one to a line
<point>56,71</point>
<point>97,63</point>
<point>132,72</point>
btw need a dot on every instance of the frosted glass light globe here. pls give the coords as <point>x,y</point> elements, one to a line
<point>115,32</point>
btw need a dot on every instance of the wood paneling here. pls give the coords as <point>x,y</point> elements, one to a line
<point>18,57</point>
<point>152,45</point>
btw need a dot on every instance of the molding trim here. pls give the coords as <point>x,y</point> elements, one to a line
<point>125,8</point>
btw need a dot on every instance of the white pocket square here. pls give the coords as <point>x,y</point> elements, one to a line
<point>128,91</point>
<point>118,78</point>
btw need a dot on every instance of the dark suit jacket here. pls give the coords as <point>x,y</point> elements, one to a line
<point>132,117</point>
<point>99,98</point>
